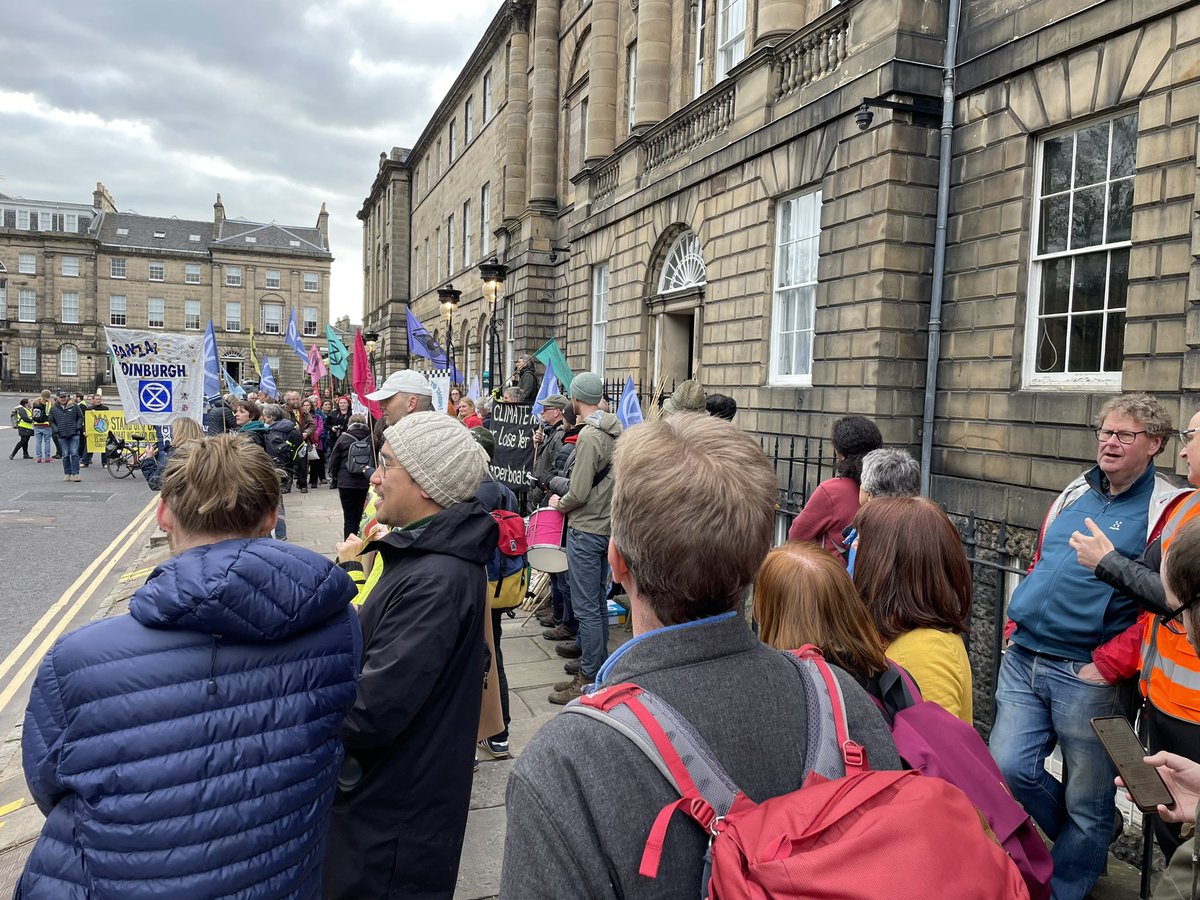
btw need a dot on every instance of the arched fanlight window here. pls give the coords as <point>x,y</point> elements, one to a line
<point>684,265</point>
<point>2,269</point>
<point>68,360</point>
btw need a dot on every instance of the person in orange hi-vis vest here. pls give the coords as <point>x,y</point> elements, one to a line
<point>1169,666</point>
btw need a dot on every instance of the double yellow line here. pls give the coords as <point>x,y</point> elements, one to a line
<point>63,611</point>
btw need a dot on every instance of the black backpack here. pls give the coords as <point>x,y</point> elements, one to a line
<point>359,457</point>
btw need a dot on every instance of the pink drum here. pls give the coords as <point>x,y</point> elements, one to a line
<point>546,535</point>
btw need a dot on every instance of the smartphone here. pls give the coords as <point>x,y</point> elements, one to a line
<point>1145,785</point>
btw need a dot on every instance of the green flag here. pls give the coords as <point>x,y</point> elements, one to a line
<point>551,354</point>
<point>339,356</point>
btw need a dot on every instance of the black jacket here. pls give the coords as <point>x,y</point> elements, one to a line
<point>547,454</point>
<point>66,421</point>
<point>335,426</point>
<point>1138,579</point>
<point>339,458</point>
<point>281,442</point>
<point>527,383</point>
<point>219,420</point>
<point>401,811</point>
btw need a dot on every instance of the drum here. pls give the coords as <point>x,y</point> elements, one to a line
<point>546,535</point>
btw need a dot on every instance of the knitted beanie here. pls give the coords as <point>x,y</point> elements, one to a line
<point>587,388</point>
<point>688,397</point>
<point>440,455</point>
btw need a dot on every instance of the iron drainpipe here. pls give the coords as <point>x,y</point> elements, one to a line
<point>933,352</point>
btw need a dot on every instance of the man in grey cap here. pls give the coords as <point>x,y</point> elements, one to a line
<point>403,393</point>
<point>586,498</point>
<point>400,812</point>
<point>548,440</point>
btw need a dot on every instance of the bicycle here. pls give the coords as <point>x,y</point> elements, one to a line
<point>122,459</point>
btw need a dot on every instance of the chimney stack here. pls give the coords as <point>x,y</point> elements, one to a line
<point>323,226</point>
<point>103,200</point>
<point>218,217</point>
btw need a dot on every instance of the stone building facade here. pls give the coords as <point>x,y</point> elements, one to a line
<point>69,270</point>
<point>696,188</point>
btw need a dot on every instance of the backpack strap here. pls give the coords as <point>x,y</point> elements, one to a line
<point>833,754</point>
<point>670,742</point>
<point>893,691</point>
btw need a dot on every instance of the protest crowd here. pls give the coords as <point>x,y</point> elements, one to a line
<point>791,721</point>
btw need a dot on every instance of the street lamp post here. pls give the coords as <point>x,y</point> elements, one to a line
<point>492,273</point>
<point>449,300</point>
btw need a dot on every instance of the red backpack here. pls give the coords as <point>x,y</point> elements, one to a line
<point>848,834</point>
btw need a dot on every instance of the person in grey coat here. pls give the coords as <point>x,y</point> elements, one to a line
<point>582,798</point>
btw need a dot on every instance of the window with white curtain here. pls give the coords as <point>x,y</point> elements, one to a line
<point>599,316</point>
<point>794,295</point>
<point>68,360</point>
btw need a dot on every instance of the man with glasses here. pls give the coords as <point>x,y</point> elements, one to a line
<point>1156,645</point>
<point>1062,612</point>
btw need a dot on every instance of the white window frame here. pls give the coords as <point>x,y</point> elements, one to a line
<point>27,264</point>
<point>156,312</point>
<point>731,50</point>
<point>28,360</point>
<point>1067,381</point>
<point>453,142</point>
<point>191,273</point>
<point>466,236</point>
<point>71,223</point>
<point>698,63</point>
<point>160,268</point>
<point>23,219</point>
<point>233,276</point>
<point>468,120</point>
<point>118,308</point>
<point>70,267</point>
<point>600,274</point>
<point>191,315</point>
<point>70,308</point>
<point>272,280</point>
<point>272,324</point>
<point>312,282</point>
<point>485,213</point>
<point>801,282</point>
<point>232,323</point>
<point>311,321</point>
<point>3,292</point>
<point>487,96</point>
<point>631,82</point>
<point>117,267</point>
<point>26,305</point>
<point>450,245</point>
<point>68,360</point>
<point>45,221</point>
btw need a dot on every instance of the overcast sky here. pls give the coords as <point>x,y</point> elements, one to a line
<point>279,105</point>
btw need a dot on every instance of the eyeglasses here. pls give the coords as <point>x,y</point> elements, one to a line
<point>1186,436</point>
<point>383,466</point>
<point>1125,437</point>
<point>1173,622</point>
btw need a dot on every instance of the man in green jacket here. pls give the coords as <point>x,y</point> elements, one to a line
<point>586,503</point>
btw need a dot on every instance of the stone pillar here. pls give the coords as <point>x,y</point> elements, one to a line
<point>602,80</point>
<point>653,61</point>
<point>544,120</point>
<point>517,125</point>
<point>776,19</point>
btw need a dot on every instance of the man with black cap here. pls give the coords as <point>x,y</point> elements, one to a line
<point>66,421</point>
<point>586,503</point>
<point>400,813</point>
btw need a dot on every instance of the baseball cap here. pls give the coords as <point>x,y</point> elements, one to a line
<point>406,381</point>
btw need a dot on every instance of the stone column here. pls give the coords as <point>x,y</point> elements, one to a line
<point>602,80</point>
<point>544,120</point>
<point>653,61</point>
<point>517,125</point>
<point>776,19</point>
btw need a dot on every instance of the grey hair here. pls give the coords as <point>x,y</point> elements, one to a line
<point>890,472</point>
<point>1155,419</point>
<point>274,411</point>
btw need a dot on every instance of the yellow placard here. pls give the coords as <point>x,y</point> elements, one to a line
<point>99,424</point>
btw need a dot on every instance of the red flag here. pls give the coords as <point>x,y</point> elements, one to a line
<point>361,376</point>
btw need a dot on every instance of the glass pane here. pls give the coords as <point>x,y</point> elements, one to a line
<point>1087,219</point>
<point>1052,343</point>
<point>787,220</point>
<point>1118,279</point>
<point>787,312</point>
<point>1091,154</point>
<point>1124,146</point>
<point>1088,283</point>
<point>786,348</point>
<point>1120,211</point>
<point>1052,237</point>
<point>1114,344</point>
<point>1085,343</point>
<point>1056,164</point>
<point>1056,286</point>
<point>803,353</point>
<point>805,301</point>
<point>783,265</point>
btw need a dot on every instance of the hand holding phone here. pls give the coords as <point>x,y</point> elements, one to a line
<point>1182,776</point>
<point>1145,786</point>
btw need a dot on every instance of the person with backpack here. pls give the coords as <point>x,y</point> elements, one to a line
<point>578,821</point>
<point>351,462</point>
<point>22,420</point>
<point>282,443</point>
<point>42,430</point>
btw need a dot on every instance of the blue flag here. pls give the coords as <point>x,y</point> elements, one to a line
<point>293,339</point>
<point>422,344</point>
<point>212,368</point>
<point>266,381</point>
<point>234,388</point>
<point>629,410</point>
<point>548,388</point>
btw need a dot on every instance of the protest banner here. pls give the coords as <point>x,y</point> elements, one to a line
<point>441,391</point>
<point>513,424</point>
<point>99,424</point>
<point>159,376</point>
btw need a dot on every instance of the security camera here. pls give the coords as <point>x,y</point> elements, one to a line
<point>554,251</point>
<point>553,257</point>
<point>864,117</point>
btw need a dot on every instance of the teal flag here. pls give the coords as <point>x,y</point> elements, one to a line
<point>339,356</point>
<point>551,356</point>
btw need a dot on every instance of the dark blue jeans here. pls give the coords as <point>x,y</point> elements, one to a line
<point>587,559</point>
<point>560,599</point>
<point>1042,702</point>
<point>69,444</point>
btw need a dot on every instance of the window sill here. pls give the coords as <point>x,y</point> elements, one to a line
<point>790,381</point>
<point>1082,383</point>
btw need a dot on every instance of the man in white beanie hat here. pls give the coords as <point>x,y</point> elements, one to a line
<point>400,813</point>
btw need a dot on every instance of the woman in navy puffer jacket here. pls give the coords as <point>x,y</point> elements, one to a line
<point>191,748</point>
